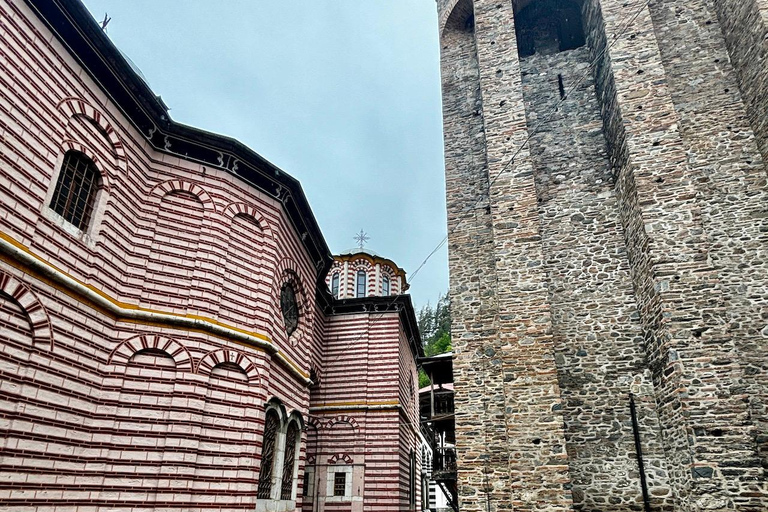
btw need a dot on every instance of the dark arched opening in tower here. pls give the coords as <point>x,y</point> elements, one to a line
<point>548,26</point>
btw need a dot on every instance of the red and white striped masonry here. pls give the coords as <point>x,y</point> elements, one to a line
<point>136,357</point>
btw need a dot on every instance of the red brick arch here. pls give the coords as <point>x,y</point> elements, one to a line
<point>163,189</point>
<point>343,457</point>
<point>72,107</point>
<point>128,348</point>
<point>37,315</point>
<point>72,145</point>
<point>343,419</point>
<point>234,209</point>
<point>217,357</point>
<point>315,423</point>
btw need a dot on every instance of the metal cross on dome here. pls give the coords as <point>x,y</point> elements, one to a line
<point>361,238</point>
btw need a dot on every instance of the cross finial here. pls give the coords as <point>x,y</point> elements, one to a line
<point>106,21</point>
<point>361,238</point>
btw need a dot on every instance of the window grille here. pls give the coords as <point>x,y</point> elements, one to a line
<point>75,192</point>
<point>289,307</point>
<point>335,285</point>
<point>361,283</point>
<point>289,461</point>
<point>339,484</point>
<point>385,286</point>
<point>267,455</point>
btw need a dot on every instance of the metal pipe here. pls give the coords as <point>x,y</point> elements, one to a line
<point>639,452</point>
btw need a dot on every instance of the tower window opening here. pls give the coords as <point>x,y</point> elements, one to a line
<point>546,27</point>
<point>385,285</point>
<point>361,283</point>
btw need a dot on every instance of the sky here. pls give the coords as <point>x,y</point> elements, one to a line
<point>343,95</point>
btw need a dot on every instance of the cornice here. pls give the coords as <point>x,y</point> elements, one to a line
<point>76,29</point>
<point>400,304</point>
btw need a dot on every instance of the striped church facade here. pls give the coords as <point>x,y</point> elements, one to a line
<point>167,338</point>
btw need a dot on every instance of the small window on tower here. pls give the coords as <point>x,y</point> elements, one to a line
<point>335,285</point>
<point>361,283</point>
<point>385,286</point>
<point>75,192</point>
<point>339,484</point>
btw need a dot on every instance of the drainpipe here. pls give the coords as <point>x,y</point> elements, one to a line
<point>639,451</point>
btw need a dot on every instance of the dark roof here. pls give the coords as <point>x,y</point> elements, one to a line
<point>74,26</point>
<point>439,366</point>
<point>375,305</point>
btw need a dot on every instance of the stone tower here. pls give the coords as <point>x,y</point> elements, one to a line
<point>608,248</point>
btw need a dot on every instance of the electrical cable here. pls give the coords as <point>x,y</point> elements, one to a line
<point>616,36</point>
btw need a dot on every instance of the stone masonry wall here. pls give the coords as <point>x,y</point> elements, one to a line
<point>628,257</point>
<point>731,187</point>
<point>744,24</point>
<point>478,384</point>
<point>595,324</point>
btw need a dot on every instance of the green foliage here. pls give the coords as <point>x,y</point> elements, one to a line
<point>423,379</point>
<point>435,329</point>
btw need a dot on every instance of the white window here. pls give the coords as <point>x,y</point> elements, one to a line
<point>385,286</point>
<point>339,483</point>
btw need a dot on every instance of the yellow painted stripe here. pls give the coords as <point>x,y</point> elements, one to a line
<point>202,320</point>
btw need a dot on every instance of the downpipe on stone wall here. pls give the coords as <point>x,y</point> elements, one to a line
<point>639,452</point>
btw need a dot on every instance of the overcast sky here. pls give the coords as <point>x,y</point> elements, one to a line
<point>344,95</point>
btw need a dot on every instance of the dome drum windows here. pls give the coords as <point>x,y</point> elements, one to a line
<point>74,197</point>
<point>335,285</point>
<point>362,283</point>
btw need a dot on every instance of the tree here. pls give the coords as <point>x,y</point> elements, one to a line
<point>435,329</point>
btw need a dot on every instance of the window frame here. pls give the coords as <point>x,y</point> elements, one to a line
<point>339,484</point>
<point>265,488</point>
<point>386,286</point>
<point>335,278</point>
<point>291,323</point>
<point>65,211</point>
<point>364,283</point>
<point>330,480</point>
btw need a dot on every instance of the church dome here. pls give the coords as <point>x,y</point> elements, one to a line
<point>358,273</point>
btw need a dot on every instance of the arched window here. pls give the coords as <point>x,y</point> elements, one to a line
<point>361,283</point>
<point>335,285</point>
<point>289,461</point>
<point>75,193</point>
<point>271,425</point>
<point>385,286</point>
